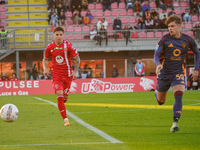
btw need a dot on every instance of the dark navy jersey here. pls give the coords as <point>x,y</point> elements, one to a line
<point>171,53</point>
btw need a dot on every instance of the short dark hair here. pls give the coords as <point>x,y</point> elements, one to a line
<point>172,18</point>
<point>58,29</point>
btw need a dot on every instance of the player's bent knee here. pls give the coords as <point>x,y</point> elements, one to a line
<point>161,102</point>
<point>60,92</point>
<point>65,98</point>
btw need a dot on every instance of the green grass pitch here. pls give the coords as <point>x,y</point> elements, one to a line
<point>135,119</point>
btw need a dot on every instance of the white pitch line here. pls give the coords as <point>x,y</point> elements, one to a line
<point>90,127</point>
<point>50,144</point>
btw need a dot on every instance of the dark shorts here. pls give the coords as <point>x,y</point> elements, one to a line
<point>165,81</point>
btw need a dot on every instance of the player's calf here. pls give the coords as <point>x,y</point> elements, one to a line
<point>159,101</point>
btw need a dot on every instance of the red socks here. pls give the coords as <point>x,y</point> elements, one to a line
<point>61,106</point>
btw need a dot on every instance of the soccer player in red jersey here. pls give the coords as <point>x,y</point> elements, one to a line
<point>170,58</point>
<point>14,78</point>
<point>62,52</point>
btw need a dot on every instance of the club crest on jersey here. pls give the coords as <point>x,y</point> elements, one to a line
<point>58,48</point>
<point>184,45</point>
<point>59,59</point>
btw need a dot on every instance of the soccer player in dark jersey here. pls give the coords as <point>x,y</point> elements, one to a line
<point>62,52</point>
<point>170,55</point>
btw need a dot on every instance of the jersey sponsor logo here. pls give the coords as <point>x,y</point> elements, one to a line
<point>51,51</point>
<point>59,59</point>
<point>184,45</point>
<point>146,83</point>
<point>157,46</point>
<point>171,45</point>
<point>58,48</point>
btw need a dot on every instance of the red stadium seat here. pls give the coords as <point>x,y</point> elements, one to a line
<point>91,6</point>
<point>134,35</point>
<point>176,4</point>
<point>150,35</point>
<point>78,37</point>
<point>93,21</point>
<point>70,37</point>
<point>83,13</point>
<point>69,22</point>
<point>194,18</point>
<point>70,29</point>
<point>86,36</point>
<point>124,20</point>
<point>142,35</point>
<point>86,28</point>
<point>68,14</point>
<point>122,13</point>
<point>99,6</point>
<point>52,28</point>
<point>77,29</point>
<point>115,13</point>
<point>3,23</point>
<point>183,4</point>
<point>3,16</point>
<point>107,13</point>
<point>130,12</point>
<point>182,10</point>
<point>188,25</point>
<point>122,6</point>
<point>109,20</point>
<point>158,34</point>
<point>114,6</point>
<point>190,33</point>
<point>99,14</point>
<point>132,20</point>
<point>110,36</point>
<point>109,28</point>
<point>93,13</point>
<point>2,8</point>
<point>166,32</point>
<point>177,11</point>
<point>152,4</point>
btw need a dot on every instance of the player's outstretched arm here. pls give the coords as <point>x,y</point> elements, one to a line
<point>76,66</point>
<point>45,69</point>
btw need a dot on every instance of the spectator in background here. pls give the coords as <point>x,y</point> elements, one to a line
<point>103,35</point>
<point>88,71</point>
<point>54,19</point>
<point>129,4</point>
<point>51,11</point>
<point>137,9</point>
<point>157,3</point>
<point>14,78</point>
<point>77,18</point>
<point>141,23</point>
<point>84,4</point>
<point>117,26</point>
<point>161,15</point>
<point>168,3</point>
<point>157,23</point>
<point>88,17</point>
<point>106,4</point>
<point>115,71</point>
<point>171,12</point>
<point>53,2</point>
<point>146,6</point>
<point>93,35</point>
<point>153,13</point>
<point>147,14</point>
<point>198,6</point>
<point>75,5</point>
<point>3,38</point>
<point>34,72</point>
<point>149,23</point>
<point>102,22</point>
<point>4,77</point>
<point>139,68</point>
<point>61,18</point>
<point>67,4</point>
<point>163,25</point>
<point>186,16</point>
<point>196,32</point>
<point>112,1</point>
<point>126,33</point>
<point>161,5</point>
<point>60,8</point>
<point>193,7</point>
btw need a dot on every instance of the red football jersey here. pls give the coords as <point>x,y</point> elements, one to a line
<point>61,57</point>
<point>14,79</point>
